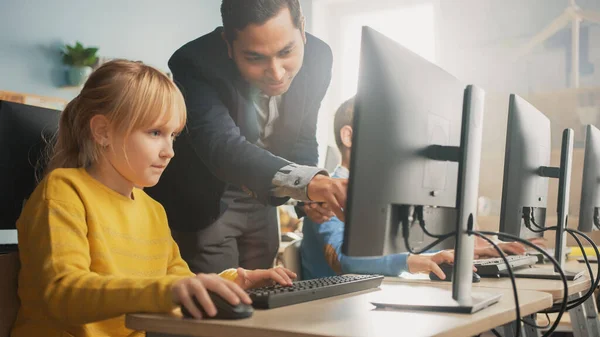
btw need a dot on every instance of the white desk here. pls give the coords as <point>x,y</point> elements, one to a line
<point>349,315</point>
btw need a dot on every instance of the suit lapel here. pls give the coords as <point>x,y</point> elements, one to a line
<point>290,116</point>
<point>247,119</point>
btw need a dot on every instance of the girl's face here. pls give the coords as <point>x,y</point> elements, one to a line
<point>141,158</point>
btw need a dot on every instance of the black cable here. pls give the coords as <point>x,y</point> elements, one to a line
<point>510,274</point>
<point>482,234</point>
<point>529,219</point>
<point>418,216</point>
<point>533,220</point>
<point>538,326</point>
<point>429,246</point>
<point>571,304</point>
<point>563,306</point>
<point>443,237</point>
<point>406,233</point>
<point>496,333</point>
<point>597,279</point>
<point>577,302</point>
<point>594,281</point>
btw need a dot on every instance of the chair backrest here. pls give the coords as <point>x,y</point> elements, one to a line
<point>9,300</point>
<point>291,258</point>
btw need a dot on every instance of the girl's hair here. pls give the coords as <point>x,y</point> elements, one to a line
<point>130,94</point>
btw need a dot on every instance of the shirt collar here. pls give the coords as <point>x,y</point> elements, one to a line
<point>341,172</point>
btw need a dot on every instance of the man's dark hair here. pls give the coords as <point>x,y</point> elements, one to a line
<point>237,14</point>
<point>343,116</point>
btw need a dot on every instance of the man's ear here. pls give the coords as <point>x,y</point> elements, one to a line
<point>100,128</point>
<point>303,28</point>
<point>346,136</point>
<point>229,47</point>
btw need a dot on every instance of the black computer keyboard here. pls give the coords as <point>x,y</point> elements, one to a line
<point>495,267</point>
<point>309,290</point>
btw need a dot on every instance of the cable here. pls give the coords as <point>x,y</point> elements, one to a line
<point>595,281</point>
<point>429,246</point>
<point>564,302</point>
<point>575,303</point>
<point>579,301</point>
<point>563,307</point>
<point>512,279</point>
<point>406,232</point>
<point>496,333</point>
<point>418,216</point>
<point>538,326</point>
<point>529,218</point>
<point>533,220</point>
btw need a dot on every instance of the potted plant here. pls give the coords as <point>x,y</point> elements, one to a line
<point>80,61</point>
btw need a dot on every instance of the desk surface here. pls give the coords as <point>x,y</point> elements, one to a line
<point>348,316</point>
<point>553,287</point>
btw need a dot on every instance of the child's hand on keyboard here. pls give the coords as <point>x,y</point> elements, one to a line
<point>424,264</point>
<point>540,242</point>
<point>510,248</point>
<point>185,290</point>
<point>264,277</point>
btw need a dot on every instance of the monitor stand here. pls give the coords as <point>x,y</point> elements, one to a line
<point>434,299</point>
<point>543,273</point>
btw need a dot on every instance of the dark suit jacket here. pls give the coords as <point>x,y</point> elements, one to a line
<point>217,146</point>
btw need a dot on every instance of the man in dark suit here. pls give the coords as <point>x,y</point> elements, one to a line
<point>253,89</point>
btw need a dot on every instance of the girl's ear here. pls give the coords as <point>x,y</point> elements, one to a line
<point>100,128</point>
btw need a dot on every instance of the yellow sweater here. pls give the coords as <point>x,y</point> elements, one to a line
<point>89,255</point>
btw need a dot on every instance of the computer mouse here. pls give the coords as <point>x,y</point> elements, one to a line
<point>447,269</point>
<point>225,310</point>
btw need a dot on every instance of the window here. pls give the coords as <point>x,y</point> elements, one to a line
<point>340,23</point>
<point>413,27</point>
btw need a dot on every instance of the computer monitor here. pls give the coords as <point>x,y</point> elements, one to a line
<point>527,149</point>
<point>24,132</point>
<point>416,142</point>
<point>525,184</point>
<point>589,219</point>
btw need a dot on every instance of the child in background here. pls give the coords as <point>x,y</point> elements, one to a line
<point>321,248</point>
<point>94,246</point>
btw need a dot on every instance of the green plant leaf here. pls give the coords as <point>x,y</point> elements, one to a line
<point>78,55</point>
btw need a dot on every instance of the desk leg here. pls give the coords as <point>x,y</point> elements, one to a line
<point>591,315</point>
<point>584,318</point>
<point>510,330</point>
<point>531,331</point>
<point>526,330</point>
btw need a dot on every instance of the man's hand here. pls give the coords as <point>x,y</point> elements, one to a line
<point>329,190</point>
<point>318,212</point>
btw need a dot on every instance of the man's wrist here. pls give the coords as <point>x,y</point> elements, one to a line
<point>319,176</point>
<point>293,180</point>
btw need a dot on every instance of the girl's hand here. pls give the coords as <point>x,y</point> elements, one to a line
<point>184,291</point>
<point>264,277</point>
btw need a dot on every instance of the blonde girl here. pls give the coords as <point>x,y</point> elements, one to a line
<point>93,246</point>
